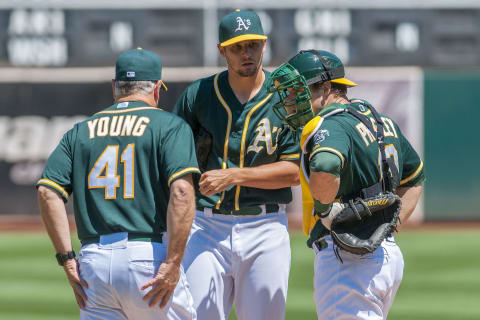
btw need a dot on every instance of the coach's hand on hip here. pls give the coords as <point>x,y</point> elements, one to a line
<point>162,285</point>
<point>71,269</point>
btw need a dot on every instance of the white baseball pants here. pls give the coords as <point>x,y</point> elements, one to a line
<point>116,268</point>
<point>239,259</point>
<point>362,287</point>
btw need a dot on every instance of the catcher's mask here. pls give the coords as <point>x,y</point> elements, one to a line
<point>292,80</point>
<point>295,107</point>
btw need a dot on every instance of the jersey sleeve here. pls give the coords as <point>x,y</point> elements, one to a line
<point>288,146</point>
<point>412,173</point>
<point>330,137</point>
<point>57,174</point>
<point>178,152</point>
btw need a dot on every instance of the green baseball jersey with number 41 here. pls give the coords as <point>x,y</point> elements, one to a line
<point>119,165</point>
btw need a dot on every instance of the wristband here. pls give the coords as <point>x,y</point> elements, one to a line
<point>63,257</point>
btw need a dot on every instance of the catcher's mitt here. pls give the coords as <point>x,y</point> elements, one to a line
<point>362,225</point>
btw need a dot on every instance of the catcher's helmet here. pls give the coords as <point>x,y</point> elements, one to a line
<point>305,68</point>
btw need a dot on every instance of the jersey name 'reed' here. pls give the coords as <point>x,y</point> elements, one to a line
<point>124,125</point>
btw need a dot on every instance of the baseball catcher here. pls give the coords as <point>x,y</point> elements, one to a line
<point>360,225</point>
<point>360,176</point>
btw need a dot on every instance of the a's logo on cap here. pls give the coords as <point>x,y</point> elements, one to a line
<point>130,74</point>
<point>243,24</point>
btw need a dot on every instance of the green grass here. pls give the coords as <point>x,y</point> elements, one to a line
<point>441,278</point>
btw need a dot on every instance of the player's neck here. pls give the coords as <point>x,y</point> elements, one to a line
<point>245,88</point>
<point>336,99</point>
<point>331,99</point>
<point>342,100</point>
<point>150,100</point>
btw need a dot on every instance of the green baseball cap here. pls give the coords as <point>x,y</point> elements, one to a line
<point>139,65</point>
<point>240,25</point>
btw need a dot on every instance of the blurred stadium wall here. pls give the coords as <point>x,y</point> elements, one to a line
<point>417,62</point>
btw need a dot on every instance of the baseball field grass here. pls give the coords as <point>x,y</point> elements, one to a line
<point>441,278</point>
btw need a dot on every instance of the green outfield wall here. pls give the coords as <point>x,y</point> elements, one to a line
<point>452,144</point>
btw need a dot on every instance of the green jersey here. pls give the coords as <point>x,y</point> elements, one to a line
<point>342,134</point>
<point>347,137</point>
<point>119,165</point>
<point>243,135</point>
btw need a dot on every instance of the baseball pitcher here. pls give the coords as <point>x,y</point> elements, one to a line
<point>239,248</point>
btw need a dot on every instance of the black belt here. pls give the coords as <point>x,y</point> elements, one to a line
<point>247,211</point>
<point>131,237</point>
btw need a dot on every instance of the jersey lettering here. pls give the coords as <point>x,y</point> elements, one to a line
<point>104,172</point>
<point>389,128</point>
<point>365,133</point>
<point>368,137</point>
<point>390,151</point>
<point>103,126</point>
<point>264,134</point>
<point>118,126</point>
<point>128,125</point>
<point>91,127</point>
<point>128,161</point>
<point>140,126</point>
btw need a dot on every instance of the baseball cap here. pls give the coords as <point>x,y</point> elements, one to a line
<point>240,25</point>
<point>139,65</point>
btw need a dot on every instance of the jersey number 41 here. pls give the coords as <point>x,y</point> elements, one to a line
<point>104,172</point>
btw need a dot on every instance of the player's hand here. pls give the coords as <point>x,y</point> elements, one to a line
<point>73,275</point>
<point>162,285</point>
<point>333,211</point>
<point>215,181</point>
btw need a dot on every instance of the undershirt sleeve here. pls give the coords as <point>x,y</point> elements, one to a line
<point>325,161</point>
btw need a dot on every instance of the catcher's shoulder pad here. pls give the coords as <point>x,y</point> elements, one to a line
<point>308,131</point>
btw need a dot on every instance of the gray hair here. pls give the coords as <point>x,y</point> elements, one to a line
<point>126,88</point>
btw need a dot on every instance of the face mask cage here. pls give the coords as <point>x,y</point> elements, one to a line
<point>294,108</point>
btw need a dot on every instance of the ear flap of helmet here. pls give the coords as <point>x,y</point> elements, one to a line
<point>294,108</point>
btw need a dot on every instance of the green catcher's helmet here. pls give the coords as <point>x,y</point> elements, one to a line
<point>305,68</point>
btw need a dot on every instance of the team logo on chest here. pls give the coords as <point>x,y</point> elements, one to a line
<point>264,134</point>
<point>242,24</point>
